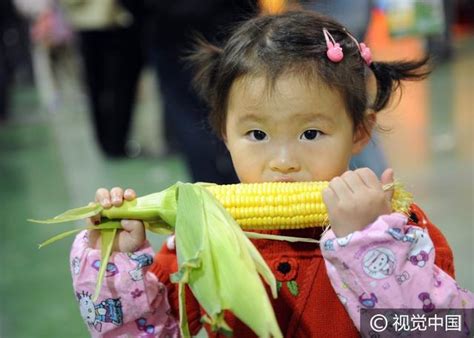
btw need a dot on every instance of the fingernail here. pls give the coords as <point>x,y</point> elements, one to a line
<point>106,201</point>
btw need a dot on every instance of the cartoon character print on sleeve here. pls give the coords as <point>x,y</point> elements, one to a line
<point>142,261</point>
<point>425,298</point>
<point>85,237</point>
<point>420,248</point>
<point>368,301</point>
<point>437,279</point>
<point>402,278</point>
<point>344,241</point>
<point>399,235</point>
<point>107,311</point>
<point>379,263</point>
<point>421,244</point>
<point>328,245</point>
<point>110,270</point>
<point>76,265</point>
<point>143,326</point>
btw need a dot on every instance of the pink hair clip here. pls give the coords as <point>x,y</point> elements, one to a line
<point>334,51</point>
<point>365,52</point>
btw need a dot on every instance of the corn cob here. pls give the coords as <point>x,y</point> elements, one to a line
<point>283,205</point>
<point>259,206</point>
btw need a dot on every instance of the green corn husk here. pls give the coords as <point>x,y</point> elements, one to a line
<point>221,264</point>
<point>215,258</point>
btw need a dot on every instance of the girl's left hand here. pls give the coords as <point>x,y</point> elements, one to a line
<point>356,198</point>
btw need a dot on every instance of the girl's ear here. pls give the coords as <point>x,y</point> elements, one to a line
<point>363,133</point>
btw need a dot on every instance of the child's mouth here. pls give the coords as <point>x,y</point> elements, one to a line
<point>284,179</point>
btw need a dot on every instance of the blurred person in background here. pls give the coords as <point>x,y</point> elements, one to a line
<point>15,62</point>
<point>51,39</point>
<point>185,114</point>
<point>441,46</point>
<point>6,13</point>
<point>111,46</point>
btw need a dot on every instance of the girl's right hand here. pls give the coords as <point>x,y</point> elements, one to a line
<point>132,237</point>
<point>356,199</point>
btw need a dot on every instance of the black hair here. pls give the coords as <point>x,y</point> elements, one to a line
<point>271,45</point>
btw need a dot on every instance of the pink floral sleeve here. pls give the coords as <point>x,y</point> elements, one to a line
<point>132,302</point>
<point>389,265</point>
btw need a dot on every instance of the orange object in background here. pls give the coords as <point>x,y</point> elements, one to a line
<point>386,48</point>
<point>272,6</point>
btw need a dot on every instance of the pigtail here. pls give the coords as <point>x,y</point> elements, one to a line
<point>204,60</point>
<point>390,74</point>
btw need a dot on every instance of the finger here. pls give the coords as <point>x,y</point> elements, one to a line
<point>330,199</point>
<point>132,226</point>
<point>93,237</point>
<point>329,196</point>
<point>387,176</point>
<point>354,181</point>
<point>340,187</point>
<point>116,194</point>
<point>132,237</point>
<point>102,196</point>
<point>94,220</point>
<point>369,178</point>
<point>387,179</point>
<point>129,194</point>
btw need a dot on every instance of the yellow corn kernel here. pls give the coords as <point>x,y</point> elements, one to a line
<point>273,205</point>
<point>284,205</point>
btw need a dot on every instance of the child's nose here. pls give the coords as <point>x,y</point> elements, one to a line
<point>284,162</point>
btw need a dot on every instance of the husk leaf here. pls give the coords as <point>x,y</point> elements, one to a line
<point>227,278</point>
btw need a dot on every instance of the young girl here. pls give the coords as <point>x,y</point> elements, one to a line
<point>288,95</point>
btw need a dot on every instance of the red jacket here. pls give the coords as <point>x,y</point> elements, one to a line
<point>307,305</point>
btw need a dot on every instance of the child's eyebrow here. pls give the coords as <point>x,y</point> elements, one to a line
<point>300,117</point>
<point>251,118</point>
<point>308,117</point>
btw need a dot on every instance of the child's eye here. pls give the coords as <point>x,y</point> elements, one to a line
<point>311,134</point>
<point>257,135</point>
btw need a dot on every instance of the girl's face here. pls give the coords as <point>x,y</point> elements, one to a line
<point>298,131</point>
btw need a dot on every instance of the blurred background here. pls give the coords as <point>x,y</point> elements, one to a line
<point>94,93</point>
